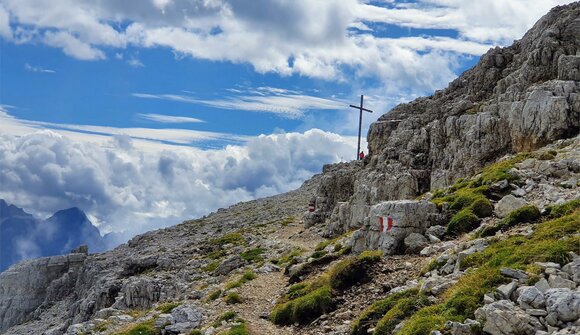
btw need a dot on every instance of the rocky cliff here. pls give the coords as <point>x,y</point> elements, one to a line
<point>517,98</point>
<point>515,273</point>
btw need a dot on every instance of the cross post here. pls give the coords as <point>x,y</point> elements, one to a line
<point>361,109</point>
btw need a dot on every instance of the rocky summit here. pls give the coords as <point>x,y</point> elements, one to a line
<point>463,219</point>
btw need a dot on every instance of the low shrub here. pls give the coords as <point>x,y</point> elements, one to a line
<point>214,295</point>
<point>318,254</point>
<point>303,309</point>
<point>371,315</point>
<point>462,222</point>
<point>353,269</point>
<point>145,328</point>
<point>482,207</point>
<point>241,329</point>
<point>246,277</point>
<point>253,255</point>
<point>525,214</point>
<point>402,309</point>
<point>556,211</point>
<point>233,298</point>
<point>547,155</point>
<point>231,238</point>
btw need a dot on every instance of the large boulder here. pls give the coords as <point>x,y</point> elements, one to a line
<point>508,204</point>
<point>505,318</point>
<point>563,303</point>
<point>390,222</point>
<point>230,265</point>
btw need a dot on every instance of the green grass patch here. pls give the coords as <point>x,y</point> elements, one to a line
<point>167,307</point>
<point>253,255</point>
<point>145,328</point>
<point>241,329</point>
<point>557,211</point>
<point>288,257</point>
<point>462,222</point>
<point>551,242</point>
<point>231,238</point>
<point>214,295</point>
<point>233,298</point>
<point>287,221</point>
<point>306,301</point>
<point>227,316</point>
<point>402,309</point>
<point>372,314</point>
<point>211,266</point>
<point>525,214</point>
<point>547,155</point>
<point>246,277</point>
<point>318,254</point>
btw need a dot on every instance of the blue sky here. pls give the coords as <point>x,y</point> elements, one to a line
<point>227,100</point>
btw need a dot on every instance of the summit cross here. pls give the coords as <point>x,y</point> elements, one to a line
<point>361,109</point>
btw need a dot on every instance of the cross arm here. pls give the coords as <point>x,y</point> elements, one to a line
<point>364,109</point>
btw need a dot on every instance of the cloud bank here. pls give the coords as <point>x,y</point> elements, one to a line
<point>120,185</point>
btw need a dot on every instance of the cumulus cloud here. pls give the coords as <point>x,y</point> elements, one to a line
<point>123,186</point>
<point>327,39</point>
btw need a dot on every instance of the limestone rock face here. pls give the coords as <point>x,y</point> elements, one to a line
<point>399,220</point>
<point>26,286</point>
<point>505,318</point>
<point>517,98</point>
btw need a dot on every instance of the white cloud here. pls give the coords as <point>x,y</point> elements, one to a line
<point>38,69</point>
<point>285,103</point>
<point>72,46</point>
<point>169,118</point>
<point>327,39</point>
<point>134,62</point>
<point>5,30</point>
<point>126,188</point>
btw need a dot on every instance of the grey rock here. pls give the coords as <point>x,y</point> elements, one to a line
<point>515,274</point>
<point>163,320</point>
<point>546,265</point>
<point>268,268</point>
<point>414,243</point>
<point>537,312</point>
<point>230,265</point>
<point>563,303</point>
<point>458,328</point>
<point>437,231</point>
<point>187,314</point>
<point>508,204</point>
<point>542,285</point>
<point>557,281</point>
<point>408,216</point>
<point>573,269</point>
<point>530,297</point>
<point>507,289</point>
<point>503,318</point>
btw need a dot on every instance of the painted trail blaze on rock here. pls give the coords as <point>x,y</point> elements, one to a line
<point>386,223</point>
<point>390,222</point>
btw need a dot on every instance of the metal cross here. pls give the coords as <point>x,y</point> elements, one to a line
<point>361,109</point>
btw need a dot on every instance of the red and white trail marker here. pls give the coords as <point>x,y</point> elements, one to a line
<point>389,223</point>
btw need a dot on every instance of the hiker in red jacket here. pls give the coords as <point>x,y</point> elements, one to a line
<point>361,156</point>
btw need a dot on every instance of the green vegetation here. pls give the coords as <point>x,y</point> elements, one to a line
<point>196,332</point>
<point>306,301</point>
<point>227,316</point>
<point>287,221</point>
<point>214,295</point>
<point>246,277</point>
<point>320,246</point>
<point>402,309</point>
<point>253,255</point>
<point>525,214</point>
<point>482,207</point>
<point>167,307</point>
<point>557,211</point>
<point>211,266</point>
<point>288,258</point>
<point>145,328</point>
<point>462,222</point>
<point>551,242</point>
<point>318,254</point>
<point>375,312</point>
<point>231,238</point>
<point>547,155</point>
<point>241,329</point>
<point>233,298</point>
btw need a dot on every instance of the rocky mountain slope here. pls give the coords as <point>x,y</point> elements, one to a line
<point>464,219</point>
<point>24,236</point>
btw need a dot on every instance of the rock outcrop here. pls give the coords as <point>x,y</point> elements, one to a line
<point>517,98</point>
